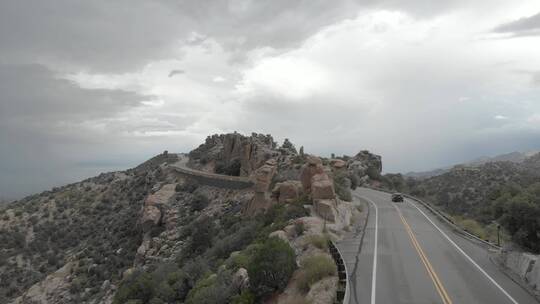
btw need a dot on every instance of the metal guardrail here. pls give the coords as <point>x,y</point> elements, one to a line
<point>444,218</point>
<point>342,292</point>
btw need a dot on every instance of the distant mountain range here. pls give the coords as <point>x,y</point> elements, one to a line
<point>514,157</point>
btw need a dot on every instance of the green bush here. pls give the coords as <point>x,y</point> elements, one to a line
<point>313,269</point>
<point>271,267</point>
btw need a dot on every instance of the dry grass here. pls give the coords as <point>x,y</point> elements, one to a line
<point>313,269</point>
<point>319,241</point>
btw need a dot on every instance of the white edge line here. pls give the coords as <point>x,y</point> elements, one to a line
<point>467,256</point>
<point>374,274</point>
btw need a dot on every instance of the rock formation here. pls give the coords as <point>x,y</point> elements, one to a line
<point>312,167</point>
<point>263,178</point>
<point>227,149</point>
<point>287,191</point>
<point>364,166</point>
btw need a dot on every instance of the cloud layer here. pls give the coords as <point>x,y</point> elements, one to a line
<point>93,86</point>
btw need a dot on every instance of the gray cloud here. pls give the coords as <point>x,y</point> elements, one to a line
<point>124,35</point>
<point>33,92</point>
<point>410,89</point>
<point>43,131</point>
<point>525,26</point>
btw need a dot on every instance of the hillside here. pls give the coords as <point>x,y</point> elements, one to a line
<point>514,157</point>
<point>154,234</point>
<point>506,192</point>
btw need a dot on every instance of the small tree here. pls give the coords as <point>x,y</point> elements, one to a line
<point>272,266</point>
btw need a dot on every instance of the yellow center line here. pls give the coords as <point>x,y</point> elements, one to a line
<point>433,275</point>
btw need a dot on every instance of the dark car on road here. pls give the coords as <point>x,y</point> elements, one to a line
<point>397,198</point>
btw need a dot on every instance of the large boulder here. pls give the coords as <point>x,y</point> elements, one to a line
<point>240,280</point>
<point>338,164</point>
<point>264,175</point>
<point>326,209</point>
<point>151,216</point>
<point>154,206</point>
<point>312,167</point>
<point>322,187</point>
<point>287,191</point>
<point>53,289</point>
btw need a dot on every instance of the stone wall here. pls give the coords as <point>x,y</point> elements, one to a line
<point>524,265</point>
<point>215,180</point>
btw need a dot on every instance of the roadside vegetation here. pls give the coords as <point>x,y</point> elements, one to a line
<point>481,198</point>
<point>219,247</point>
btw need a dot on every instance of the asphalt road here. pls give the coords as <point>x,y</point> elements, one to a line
<point>408,256</point>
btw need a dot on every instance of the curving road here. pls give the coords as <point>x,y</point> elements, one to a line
<point>409,256</point>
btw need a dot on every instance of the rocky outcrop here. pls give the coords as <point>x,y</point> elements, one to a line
<point>322,187</point>
<point>287,191</point>
<point>312,167</point>
<point>240,279</point>
<point>154,207</point>
<point>264,175</point>
<point>53,289</point>
<point>326,208</point>
<point>338,164</point>
<point>364,166</point>
<point>227,149</point>
<point>263,178</point>
<point>153,214</point>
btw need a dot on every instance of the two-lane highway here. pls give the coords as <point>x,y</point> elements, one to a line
<point>409,256</point>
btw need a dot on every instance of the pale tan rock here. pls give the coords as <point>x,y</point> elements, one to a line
<point>240,280</point>
<point>313,166</point>
<point>326,208</point>
<point>259,203</point>
<point>323,291</point>
<point>263,177</point>
<point>287,191</point>
<point>338,164</point>
<point>279,234</point>
<point>322,187</point>
<point>53,289</point>
<point>151,217</point>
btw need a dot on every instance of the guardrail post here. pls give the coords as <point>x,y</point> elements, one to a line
<point>342,292</point>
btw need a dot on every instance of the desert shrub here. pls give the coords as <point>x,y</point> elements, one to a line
<point>297,299</point>
<point>165,284</point>
<point>246,297</point>
<point>201,232</point>
<point>299,227</point>
<point>342,186</point>
<point>355,181</point>
<point>214,289</point>
<point>233,168</point>
<point>234,241</point>
<point>199,202</point>
<point>315,268</point>
<point>271,267</point>
<point>373,173</point>
<point>140,286</point>
<point>319,241</point>
<point>189,185</point>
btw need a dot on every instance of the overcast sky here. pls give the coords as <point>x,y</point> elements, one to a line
<point>92,86</point>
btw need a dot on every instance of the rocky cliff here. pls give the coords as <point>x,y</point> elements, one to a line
<point>153,235</point>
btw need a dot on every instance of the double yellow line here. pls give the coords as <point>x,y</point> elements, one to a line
<point>436,281</point>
